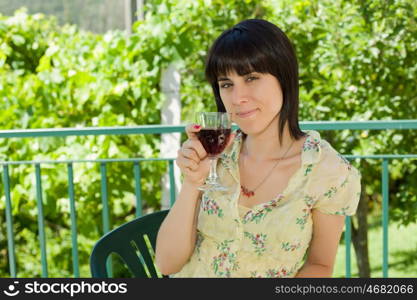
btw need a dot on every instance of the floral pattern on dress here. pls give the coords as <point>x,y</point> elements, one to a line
<point>311,144</point>
<point>309,201</point>
<point>225,262</point>
<point>275,272</point>
<point>344,183</point>
<point>226,162</point>
<point>343,211</point>
<point>199,241</point>
<point>211,207</point>
<point>258,215</point>
<point>290,247</point>
<point>258,241</point>
<point>308,169</point>
<point>330,193</point>
<point>233,156</point>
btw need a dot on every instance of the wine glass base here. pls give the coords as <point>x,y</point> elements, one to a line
<point>213,187</point>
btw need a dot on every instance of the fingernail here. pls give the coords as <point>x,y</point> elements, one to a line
<point>197,126</point>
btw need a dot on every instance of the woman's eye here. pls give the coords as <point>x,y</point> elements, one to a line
<point>252,78</point>
<point>225,85</point>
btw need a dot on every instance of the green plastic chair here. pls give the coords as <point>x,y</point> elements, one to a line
<point>129,242</point>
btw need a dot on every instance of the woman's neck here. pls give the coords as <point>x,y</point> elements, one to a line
<point>265,146</point>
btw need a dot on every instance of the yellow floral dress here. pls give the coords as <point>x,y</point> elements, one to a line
<point>271,239</point>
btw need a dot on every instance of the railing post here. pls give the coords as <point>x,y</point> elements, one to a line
<point>41,225</point>
<point>74,235</point>
<point>385,208</point>
<point>9,223</point>
<point>138,190</point>
<point>348,246</point>
<point>105,211</point>
<point>172,182</point>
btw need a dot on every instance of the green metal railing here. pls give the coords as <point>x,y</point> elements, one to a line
<point>159,129</point>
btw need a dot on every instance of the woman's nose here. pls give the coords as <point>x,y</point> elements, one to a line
<point>240,94</point>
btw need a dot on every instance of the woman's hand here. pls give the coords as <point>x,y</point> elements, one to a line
<point>192,159</point>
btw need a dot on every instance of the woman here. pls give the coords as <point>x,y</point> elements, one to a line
<point>289,190</point>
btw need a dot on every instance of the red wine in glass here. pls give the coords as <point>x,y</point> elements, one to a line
<point>214,140</point>
<point>214,137</point>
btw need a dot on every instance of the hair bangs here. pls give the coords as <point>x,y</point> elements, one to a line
<point>235,51</point>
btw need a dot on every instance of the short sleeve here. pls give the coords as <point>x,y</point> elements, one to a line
<point>341,195</point>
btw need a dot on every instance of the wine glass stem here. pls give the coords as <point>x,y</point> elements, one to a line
<point>212,178</point>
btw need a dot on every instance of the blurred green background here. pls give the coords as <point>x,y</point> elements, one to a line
<point>357,61</point>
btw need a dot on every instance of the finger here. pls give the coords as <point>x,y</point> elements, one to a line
<point>180,161</point>
<point>190,153</point>
<point>191,131</point>
<point>190,164</point>
<point>185,163</point>
<point>197,147</point>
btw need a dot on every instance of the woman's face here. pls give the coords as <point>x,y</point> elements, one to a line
<point>254,100</point>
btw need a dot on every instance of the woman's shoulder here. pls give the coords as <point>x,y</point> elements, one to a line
<point>335,182</point>
<point>332,172</point>
<point>333,164</point>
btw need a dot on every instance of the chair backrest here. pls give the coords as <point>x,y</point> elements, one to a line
<point>129,242</point>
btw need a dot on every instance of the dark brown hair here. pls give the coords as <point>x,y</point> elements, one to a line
<point>257,45</point>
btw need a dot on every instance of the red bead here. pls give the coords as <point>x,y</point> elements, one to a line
<point>246,192</point>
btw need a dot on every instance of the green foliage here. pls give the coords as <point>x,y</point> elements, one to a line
<point>79,79</point>
<point>361,65</point>
<point>355,65</point>
<point>64,77</point>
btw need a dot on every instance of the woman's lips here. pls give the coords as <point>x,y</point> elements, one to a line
<point>247,114</point>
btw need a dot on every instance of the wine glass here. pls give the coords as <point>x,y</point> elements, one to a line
<point>214,136</point>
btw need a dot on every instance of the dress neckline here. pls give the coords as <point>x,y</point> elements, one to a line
<point>281,195</point>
